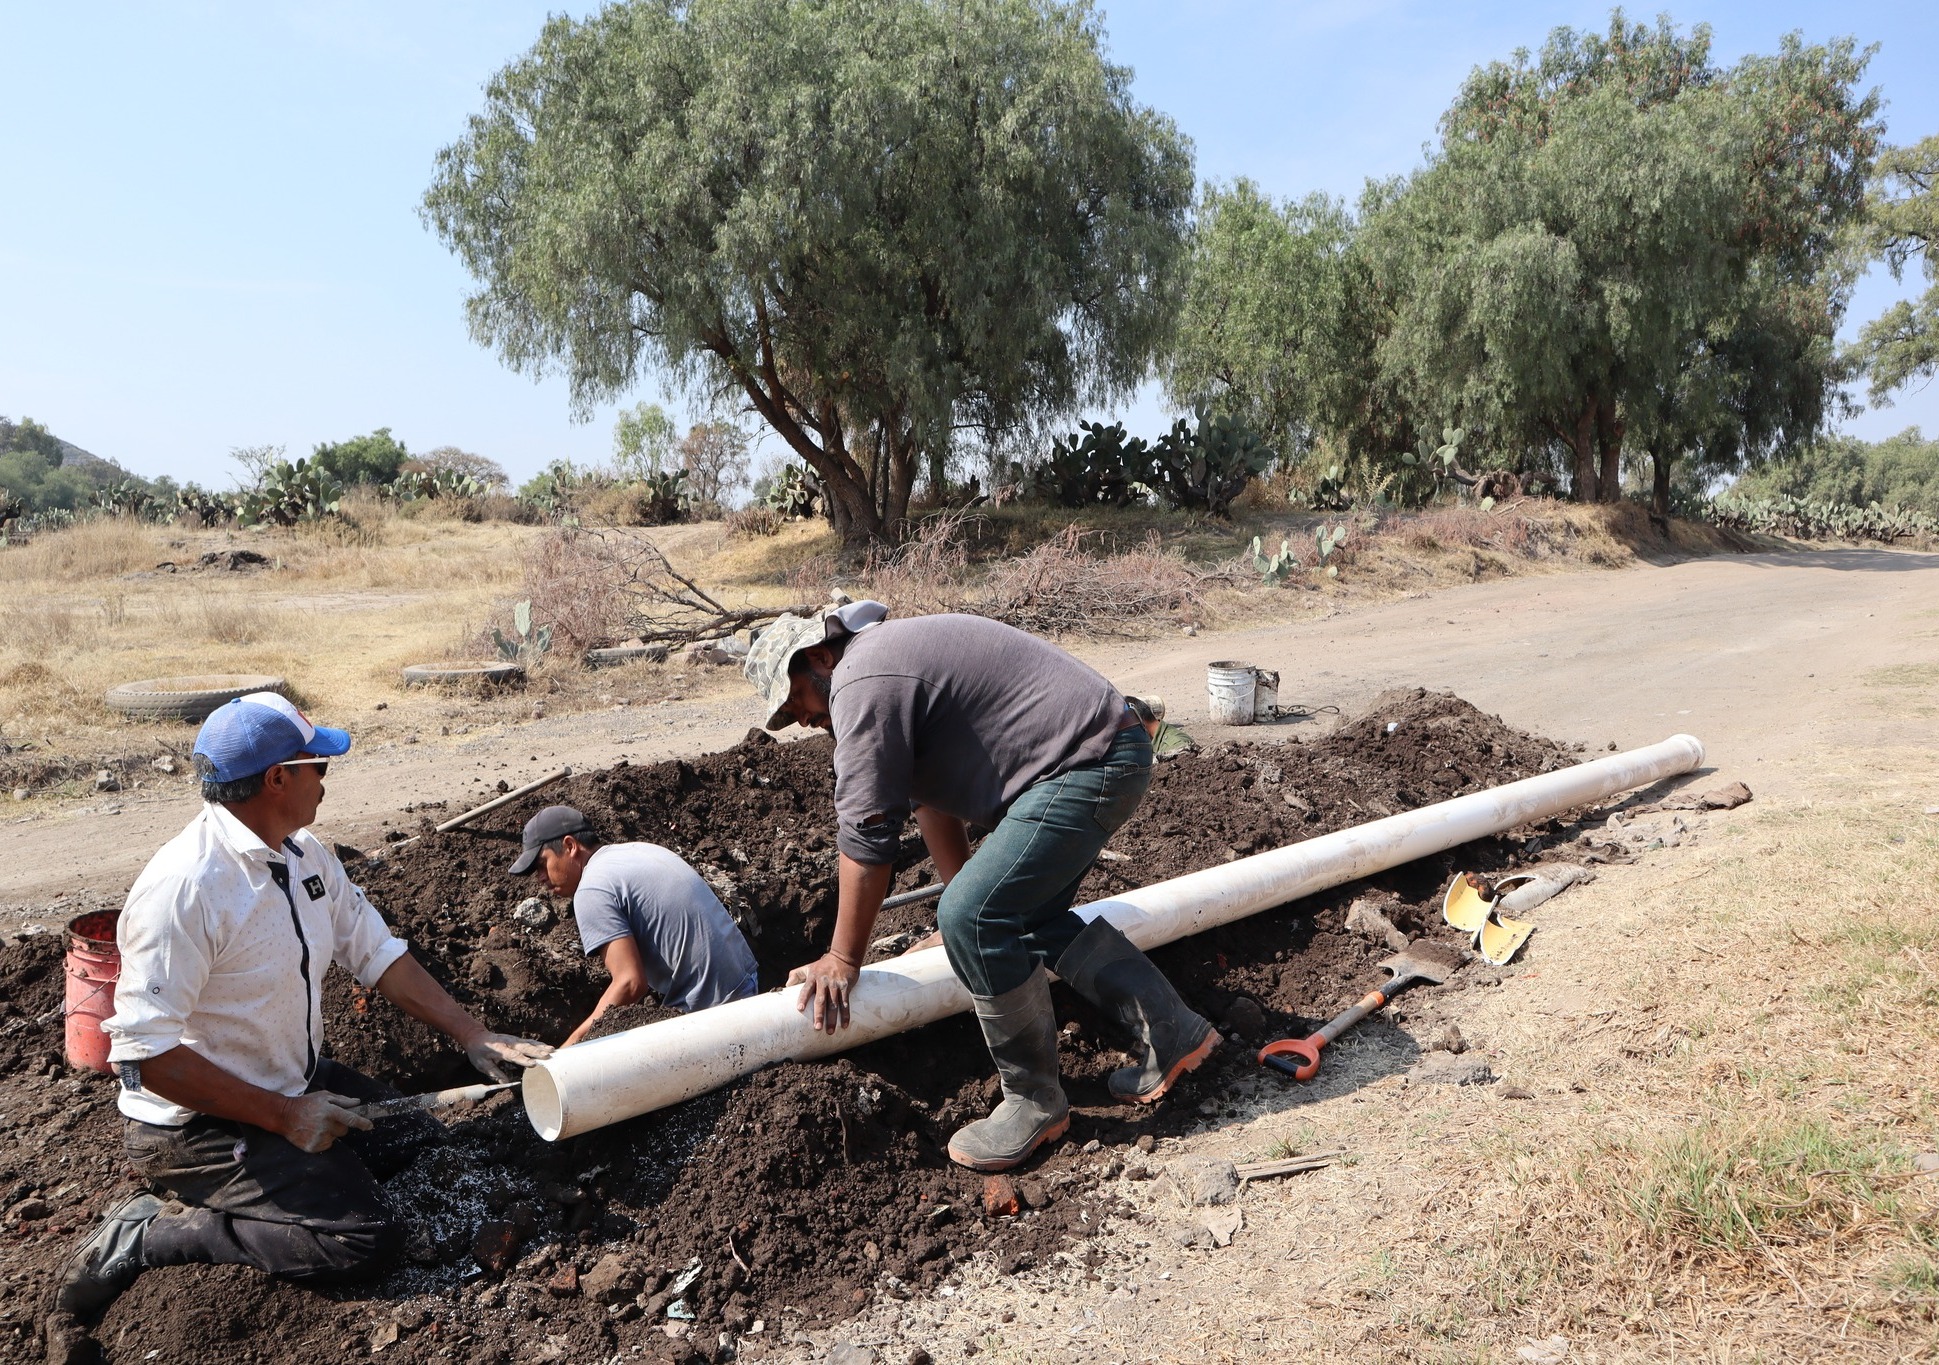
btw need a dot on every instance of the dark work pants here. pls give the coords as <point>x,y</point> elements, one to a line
<point>1010,906</point>
<point>257,1199</point>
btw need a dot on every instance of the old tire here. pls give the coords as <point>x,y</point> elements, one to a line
<point>463,671</point>
<point>188,699</point>
<point>625,654</point>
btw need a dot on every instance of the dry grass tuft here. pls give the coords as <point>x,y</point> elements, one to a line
<point>87,550</point>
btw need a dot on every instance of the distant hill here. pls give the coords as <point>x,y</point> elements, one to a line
<point>97,468</point>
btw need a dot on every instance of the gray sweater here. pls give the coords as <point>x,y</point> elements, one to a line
<point>958,713</point>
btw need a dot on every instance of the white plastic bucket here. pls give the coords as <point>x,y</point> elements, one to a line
<point>1231,687</point>
<point>1265,695</point>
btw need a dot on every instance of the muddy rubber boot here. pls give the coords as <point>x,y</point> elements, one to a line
<point>108,1261</point>
<point>1021,1031</point>
<point>1107,969</point>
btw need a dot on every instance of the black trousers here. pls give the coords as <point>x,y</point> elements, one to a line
<point>254,1198</point>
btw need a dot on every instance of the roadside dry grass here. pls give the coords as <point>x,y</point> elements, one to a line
<point>1723,1086</point>
<point>345,604</point>
<point>339,611</point>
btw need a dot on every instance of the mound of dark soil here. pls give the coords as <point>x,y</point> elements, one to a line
<point>797,1194</point>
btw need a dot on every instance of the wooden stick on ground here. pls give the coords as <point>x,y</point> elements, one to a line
<point>504,800</point>
<point>1265,1170</point>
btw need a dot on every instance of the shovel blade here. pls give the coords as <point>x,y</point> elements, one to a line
<point>1433,963</point>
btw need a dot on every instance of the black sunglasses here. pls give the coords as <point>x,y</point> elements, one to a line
<point>322,765</point>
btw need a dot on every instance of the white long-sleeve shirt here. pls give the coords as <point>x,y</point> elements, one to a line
<point>224,943</point>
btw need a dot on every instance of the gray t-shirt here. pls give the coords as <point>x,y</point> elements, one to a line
<point>958,713</point>
<point>695,955</point>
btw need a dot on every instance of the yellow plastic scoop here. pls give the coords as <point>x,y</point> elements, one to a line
<point>1464,906</point>
<point>1469,906</point>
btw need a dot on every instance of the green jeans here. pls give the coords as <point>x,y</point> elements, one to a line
<point>1009,908</point>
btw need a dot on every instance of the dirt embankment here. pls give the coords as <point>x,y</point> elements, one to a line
<point>798,1195</point>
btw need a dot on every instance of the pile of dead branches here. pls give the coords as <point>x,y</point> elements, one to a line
<point>600,586</point>
<point>1072,584</point>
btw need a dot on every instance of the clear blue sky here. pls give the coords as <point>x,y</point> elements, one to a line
<point>210,235</point>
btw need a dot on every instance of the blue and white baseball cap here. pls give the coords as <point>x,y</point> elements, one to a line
<point>253,734</point>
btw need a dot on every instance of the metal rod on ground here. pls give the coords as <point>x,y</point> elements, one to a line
<point>627,1074</point>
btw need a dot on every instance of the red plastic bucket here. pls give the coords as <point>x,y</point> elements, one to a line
<point>93,966</point>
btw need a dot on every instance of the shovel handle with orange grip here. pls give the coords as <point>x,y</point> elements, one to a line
<point>1300,1057</point>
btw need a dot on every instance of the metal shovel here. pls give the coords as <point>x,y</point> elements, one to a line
<point>1300,1057</point>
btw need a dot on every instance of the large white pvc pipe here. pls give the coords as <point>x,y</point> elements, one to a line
<point>618,1077</point>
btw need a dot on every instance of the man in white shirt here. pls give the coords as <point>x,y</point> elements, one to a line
<point>217,1032</point>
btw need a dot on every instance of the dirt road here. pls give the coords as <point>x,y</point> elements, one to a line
<point>1761,656</point>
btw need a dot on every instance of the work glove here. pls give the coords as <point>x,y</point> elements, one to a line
<point>500,1055</point>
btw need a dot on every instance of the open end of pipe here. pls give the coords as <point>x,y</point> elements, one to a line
<point>541,1095</point>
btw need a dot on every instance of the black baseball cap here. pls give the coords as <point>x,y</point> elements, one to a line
<point>550,824</point>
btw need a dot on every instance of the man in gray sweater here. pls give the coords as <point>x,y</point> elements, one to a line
<point>966,721</point>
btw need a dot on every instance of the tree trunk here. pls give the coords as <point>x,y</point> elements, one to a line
<point>1583,488</point>
<point>1659,495</point>
<point>938,477</point>
<point>1611,487</point>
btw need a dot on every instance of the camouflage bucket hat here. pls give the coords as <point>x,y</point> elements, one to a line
<point>767,662</point>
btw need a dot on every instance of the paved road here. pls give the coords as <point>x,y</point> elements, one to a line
<point>1763,657</point>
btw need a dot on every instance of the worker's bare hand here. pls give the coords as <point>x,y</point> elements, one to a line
<point>316,1120</point>
<point>825,984</point>
<point>501,1055</point>
<point>933,940</point>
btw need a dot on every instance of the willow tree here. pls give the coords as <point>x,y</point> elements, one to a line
<point>878,223</point>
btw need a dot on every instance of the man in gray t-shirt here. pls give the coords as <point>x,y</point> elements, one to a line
<point>655,923</point>
<point>964,722</point>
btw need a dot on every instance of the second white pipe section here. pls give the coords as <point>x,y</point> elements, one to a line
<point>627,1074</point>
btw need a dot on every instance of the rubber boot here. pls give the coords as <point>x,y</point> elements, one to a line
<point>108,1261</point>
<point>1107,969</point>
<point>1021,1031</point>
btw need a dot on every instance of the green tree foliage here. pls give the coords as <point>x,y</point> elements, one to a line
<point>1900,471</point>
<point>878,222</point>
<point>1273,327</point>
<point>32,472</point>
<point>30,436</point>
<point>1616,246</point>
<point>1902,344</point>
<point>372,459</point>
<point>643,441</point>
<point>29,478</point>
<point>1618,240</point>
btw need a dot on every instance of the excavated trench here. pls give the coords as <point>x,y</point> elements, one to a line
<point>790,1199</point>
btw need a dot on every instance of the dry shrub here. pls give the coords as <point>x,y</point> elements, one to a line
<point>1058,589</point>
<point>1061,587</point>
<point>755,520</point>
<point>28,676</point>
<point>230,620</point>
<point>576,582</point>
<point>1470,528</point>
<point>101,548</point>
<point>43,628</point>
<point>929,573</point>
